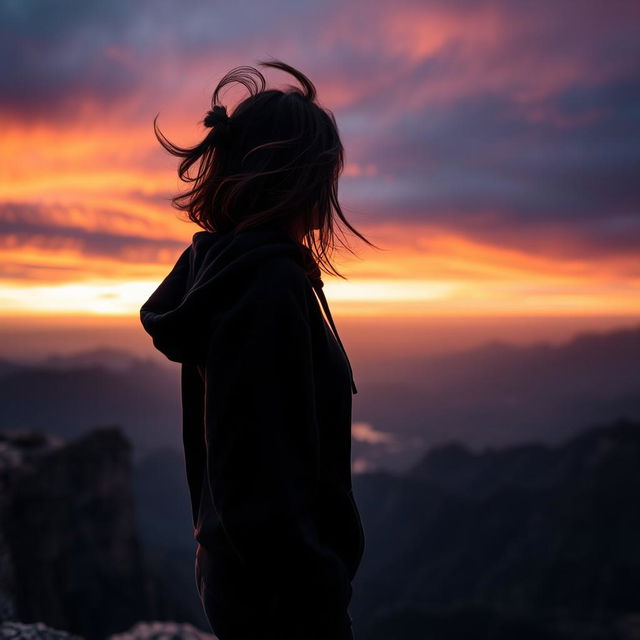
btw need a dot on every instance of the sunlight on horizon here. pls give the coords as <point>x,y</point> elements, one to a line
<point>385,298</point>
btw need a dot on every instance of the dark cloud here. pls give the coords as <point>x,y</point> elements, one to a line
<point>55,54</point>
<point>26,224</point>
<point>459,163</point>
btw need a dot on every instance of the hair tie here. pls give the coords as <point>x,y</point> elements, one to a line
<point>218,119</point>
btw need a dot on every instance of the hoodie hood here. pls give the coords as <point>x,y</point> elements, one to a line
<point>180,310</point>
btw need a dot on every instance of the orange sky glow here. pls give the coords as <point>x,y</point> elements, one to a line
<point>88,231</point>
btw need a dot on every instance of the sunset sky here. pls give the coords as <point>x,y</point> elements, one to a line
<point>491,148</point>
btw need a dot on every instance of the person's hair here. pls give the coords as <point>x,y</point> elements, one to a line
<point>269,164</point>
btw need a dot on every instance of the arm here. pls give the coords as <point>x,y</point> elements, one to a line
<point>262,450</point>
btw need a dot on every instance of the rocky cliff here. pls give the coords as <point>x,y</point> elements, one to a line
<point>69,552</point>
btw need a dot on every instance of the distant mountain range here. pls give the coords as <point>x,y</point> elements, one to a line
<point>116,360</point>
<point>529,541</point>
<point>497,394</point>
<point>501,394</point>
<point>68,395</point>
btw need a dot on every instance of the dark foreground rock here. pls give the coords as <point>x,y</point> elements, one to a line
<point>69,551</point>
<point>140,631</point>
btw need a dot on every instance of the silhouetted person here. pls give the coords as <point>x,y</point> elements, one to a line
<point>266,384</point>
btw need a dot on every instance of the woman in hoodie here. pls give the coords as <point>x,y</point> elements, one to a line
<point>266,383</point>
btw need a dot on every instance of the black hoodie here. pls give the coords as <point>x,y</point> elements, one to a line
<point>266,400</point>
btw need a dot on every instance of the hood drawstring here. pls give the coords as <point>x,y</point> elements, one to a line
<point>327,311</point>
<point>315,277</point>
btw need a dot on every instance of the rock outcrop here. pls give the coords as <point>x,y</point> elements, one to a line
<point>69,552</point>
<point>140,631</point>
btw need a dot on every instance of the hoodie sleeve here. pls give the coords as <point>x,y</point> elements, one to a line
<point>262,446</point>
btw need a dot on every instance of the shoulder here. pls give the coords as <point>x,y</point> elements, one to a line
<point>269,308</point>
<point>274,292</point>
<point>277,279</point>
